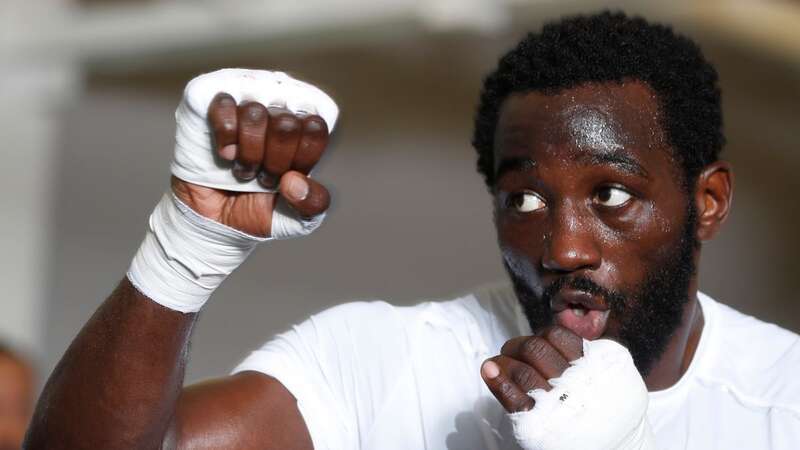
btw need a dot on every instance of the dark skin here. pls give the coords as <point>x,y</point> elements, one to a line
<point>585,187</point>
<point>119,385</point>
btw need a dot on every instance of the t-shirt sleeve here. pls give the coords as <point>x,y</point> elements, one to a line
<point>318,362</point>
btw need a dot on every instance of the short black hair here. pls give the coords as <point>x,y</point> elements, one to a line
<point>610,46</point>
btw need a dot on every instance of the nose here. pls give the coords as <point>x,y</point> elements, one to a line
<point>570,243</point>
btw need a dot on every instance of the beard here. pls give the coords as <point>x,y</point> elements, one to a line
<point>643,318</point>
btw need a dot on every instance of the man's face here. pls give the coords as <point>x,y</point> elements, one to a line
<point>594,224</point>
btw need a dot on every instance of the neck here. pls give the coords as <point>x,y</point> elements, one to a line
<point>680,349</point>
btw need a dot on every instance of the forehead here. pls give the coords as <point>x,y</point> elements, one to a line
<point>599,118</point>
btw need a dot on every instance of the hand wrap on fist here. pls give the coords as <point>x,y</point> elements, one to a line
<point>196,160</point>
<point>598,403</point>
<point>185,256</point>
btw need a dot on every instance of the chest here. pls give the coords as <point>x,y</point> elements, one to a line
<point>439,401</point>
<point>715,418</point>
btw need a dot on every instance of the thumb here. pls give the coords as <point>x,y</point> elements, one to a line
<point>308,197</point>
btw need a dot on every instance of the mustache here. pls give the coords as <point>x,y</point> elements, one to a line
<point>579,283</point>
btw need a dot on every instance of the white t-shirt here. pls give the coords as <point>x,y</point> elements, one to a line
<point>372,376</point>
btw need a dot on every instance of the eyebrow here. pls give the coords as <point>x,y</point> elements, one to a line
<point>516,164</point>
<point>619,160</point>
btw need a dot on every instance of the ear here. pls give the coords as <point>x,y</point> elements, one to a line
<point>713,197</point>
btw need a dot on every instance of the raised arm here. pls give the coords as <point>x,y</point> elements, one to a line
<point>119,385</point>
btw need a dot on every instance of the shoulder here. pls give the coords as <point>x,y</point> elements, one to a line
<point>482,304</point>
<point>755,361</point>
<point>366,318</point>
<point>357,325</point>
<point>360,316</point>
<point>376,334</point>
<point>484,317</point>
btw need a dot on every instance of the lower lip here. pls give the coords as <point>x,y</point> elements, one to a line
<point>590,326</point>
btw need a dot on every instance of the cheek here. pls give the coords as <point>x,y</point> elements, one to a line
<point>655,226</point>
<point>522,267</point>
<point>521,246</point>
<point>522,236</point>
<point>646,220</point>
<point>632,243</point>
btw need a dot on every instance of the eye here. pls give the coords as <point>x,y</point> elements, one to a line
<point>612,196</point>
<point>525,202</point>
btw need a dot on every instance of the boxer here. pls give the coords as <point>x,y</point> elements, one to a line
<point>599,141</point>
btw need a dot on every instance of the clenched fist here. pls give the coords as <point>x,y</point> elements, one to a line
<point>566,393</point>
<point>245,143</point>
<point>526,363</point>
<point>270,144</point>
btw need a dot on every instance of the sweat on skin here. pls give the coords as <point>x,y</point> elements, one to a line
<point>583,196</point>
<point>588,188</point>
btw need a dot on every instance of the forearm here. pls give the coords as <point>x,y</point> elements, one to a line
<point>118,383</point>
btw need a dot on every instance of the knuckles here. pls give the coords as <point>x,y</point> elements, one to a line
<point>558,333</point>
<point>315,125</point>
<point>285,124</point>
<point>534,348</point>
<point>224,99</point>
<point>527,379</point>
<point>514,400</point>
<point>253,112</point>
<point>565,339</point>
<point>223,111</point>
<point>252,122</point>
<point>554,333</point>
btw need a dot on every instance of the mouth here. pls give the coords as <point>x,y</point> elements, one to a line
<point>581,312</point>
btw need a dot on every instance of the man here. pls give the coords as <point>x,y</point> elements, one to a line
<point>599,140</point>
<point>16,397</point>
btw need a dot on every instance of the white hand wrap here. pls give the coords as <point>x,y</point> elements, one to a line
<point>599,402</point>
<point>196,160</point>
<point>184,256</point>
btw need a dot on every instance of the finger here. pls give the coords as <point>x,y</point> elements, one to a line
<point>523,374</point>
<point>252,121</point>
<point>283,136</point>
<point>537,352</point>
<point>569,344</point>
<point>222,121</point>
<point>504,389</point>
<point>313,141</point>
<point>308,197</point>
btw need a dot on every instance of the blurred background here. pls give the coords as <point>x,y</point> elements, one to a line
<point>90,86</point>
